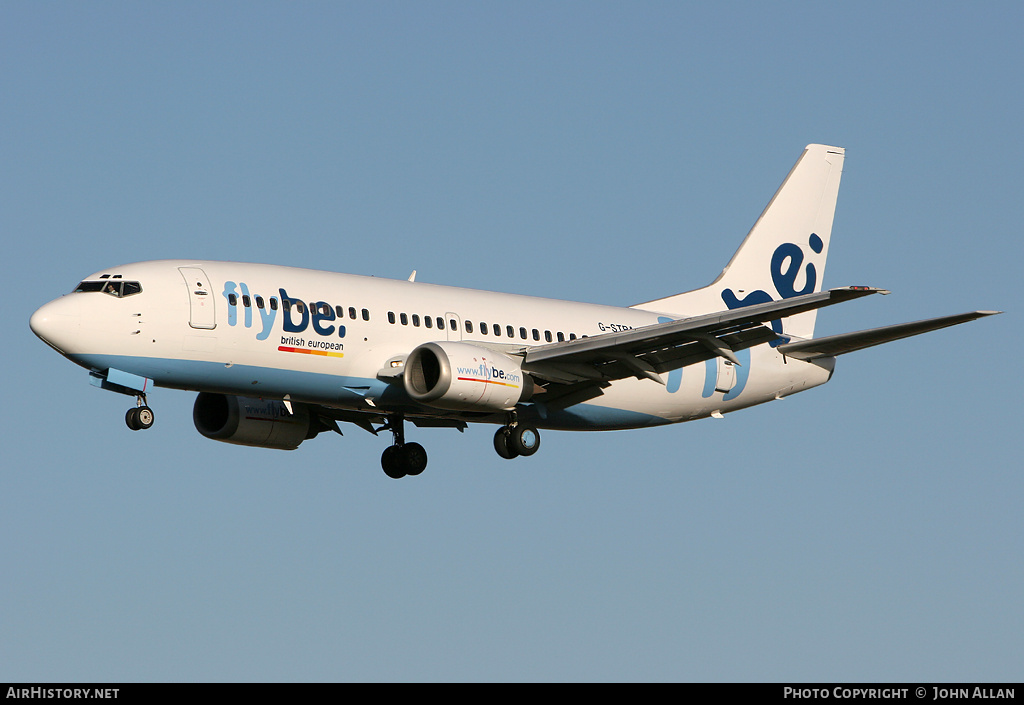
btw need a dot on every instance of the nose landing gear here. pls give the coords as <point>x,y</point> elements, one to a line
<point>140,417</point>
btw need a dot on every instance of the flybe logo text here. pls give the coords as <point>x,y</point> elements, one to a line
<point>296,315</point>
<point>488,373</point>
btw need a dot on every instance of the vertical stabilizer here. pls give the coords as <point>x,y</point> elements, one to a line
<point>784,253</point>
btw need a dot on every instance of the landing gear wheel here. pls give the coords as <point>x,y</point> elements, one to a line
<point>413,458</point>
<point>524,439</point>
<point>389,461</point>
<point>503,443</point>
<point>398,461</point>
<point>131,418</point>
<point>144,417</point>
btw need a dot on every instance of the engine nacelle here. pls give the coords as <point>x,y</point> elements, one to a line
<point>253,422</point>
<point>464,377</point>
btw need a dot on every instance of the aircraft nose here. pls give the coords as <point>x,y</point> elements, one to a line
<point>56,323</point>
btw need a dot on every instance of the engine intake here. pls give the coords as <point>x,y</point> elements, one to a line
<point>464,377</point>
<point>253,422</point>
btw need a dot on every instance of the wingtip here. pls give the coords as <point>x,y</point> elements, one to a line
<point>865,290</point>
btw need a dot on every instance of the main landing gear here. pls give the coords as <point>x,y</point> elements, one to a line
<point>401,458</point>
<point>515,439</point>
<point>140,417</point>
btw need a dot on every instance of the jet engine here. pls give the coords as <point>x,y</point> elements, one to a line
<point>464,377</point>
<point>253,422</point>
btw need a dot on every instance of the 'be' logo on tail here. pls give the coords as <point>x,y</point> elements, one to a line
<point>786,264</point>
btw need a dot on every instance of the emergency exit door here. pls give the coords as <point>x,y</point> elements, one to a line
<point>454,326</point>
<point>726,376</point>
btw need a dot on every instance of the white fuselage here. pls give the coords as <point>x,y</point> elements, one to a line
<point>223,327</point>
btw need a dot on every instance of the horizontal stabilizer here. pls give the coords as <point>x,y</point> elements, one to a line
<point>848,342</point>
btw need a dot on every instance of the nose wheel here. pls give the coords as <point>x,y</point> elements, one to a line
<point>140,417</point>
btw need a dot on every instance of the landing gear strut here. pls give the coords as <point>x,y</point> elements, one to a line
<point>401,458</point>
<point>515,439</point>
<point>140,417</point>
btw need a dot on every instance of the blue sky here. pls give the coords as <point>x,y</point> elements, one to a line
<point>869,530</point>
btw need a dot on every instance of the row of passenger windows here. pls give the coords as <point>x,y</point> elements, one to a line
<point>247,301</point>
<point>321,308</point>
<point>326,310</point>
<point>406,319</point>
<point>428,322</point>
<point>494,328</point>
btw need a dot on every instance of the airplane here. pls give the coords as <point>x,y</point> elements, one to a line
<point>279,354</point>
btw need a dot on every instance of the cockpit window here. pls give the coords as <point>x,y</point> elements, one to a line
<point>113,287</point>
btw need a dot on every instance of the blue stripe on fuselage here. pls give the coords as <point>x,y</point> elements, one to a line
<point>245,380</point>
<point>336,390</point>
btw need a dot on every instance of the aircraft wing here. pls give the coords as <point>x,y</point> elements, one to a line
<point>833,345</point>
<point>655,349</point>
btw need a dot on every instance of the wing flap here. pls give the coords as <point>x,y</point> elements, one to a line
<point>696,352</point>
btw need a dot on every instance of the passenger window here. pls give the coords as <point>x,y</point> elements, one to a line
<point>366,314</point>
<point>561,337</point>
<point>497,329</point>
<point>391,316</point>
<point>404,319</point>
<point>511,331</point>
<point>232,299</point>
<point>572,336</point>
<point>428,321</point>
<point>416,320</point>
<point>547,336</point>
<point>536,334</point>
<point>259,302</point>
<point>469,326</point>
<point>522,333</point>
<point>273,303</point>
<point>483,328</point>
<point>300,307</point>
<point>451,323</point>
<point>340,312</point>
<point>246,301</point>
<point>352,312</point>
